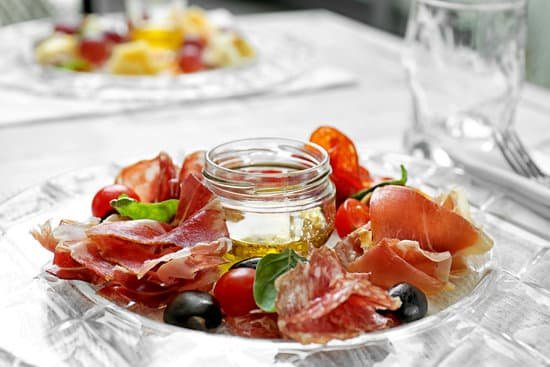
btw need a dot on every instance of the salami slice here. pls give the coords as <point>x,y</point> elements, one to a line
<point>255,324</point>
<point>320,301</point>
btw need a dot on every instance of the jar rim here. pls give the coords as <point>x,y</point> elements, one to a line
<point>323,162</point>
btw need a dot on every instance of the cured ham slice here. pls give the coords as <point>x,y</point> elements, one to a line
<point>193,196</point>
<point>392,261</point>
<point>187,262</point>
<point>404,213</point>
<point>193,164</point>
<point>67,231</point>
<point>151,178</point>
<point>126,286</point>
<point>87,254</point>
<point>44,235</point>
<point>255,324</point>
<point>320,300</point>
<point>131,243</point>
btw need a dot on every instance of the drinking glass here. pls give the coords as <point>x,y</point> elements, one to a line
<point>465,64</point>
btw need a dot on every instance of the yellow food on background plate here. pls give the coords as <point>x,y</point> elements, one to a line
<point>133,58</point>
<point>187,42</point>
<point>56,48</point>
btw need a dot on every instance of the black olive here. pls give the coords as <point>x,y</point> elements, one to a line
<point>194,310</point>
<point>414,304</point>
<point>247,263</point>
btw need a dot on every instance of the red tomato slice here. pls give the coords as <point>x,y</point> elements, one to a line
<point>351,215</point>
<point>348,176</point>
<point>101,203</point>
<point>234,291</point>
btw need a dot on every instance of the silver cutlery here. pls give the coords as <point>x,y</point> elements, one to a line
<point>517,156</point>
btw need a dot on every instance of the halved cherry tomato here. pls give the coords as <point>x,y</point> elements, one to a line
<point>101,203</point>
<point>234,291</point>
<point>351,215</point>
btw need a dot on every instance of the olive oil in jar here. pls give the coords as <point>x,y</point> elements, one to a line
<point>255,234</point>
<point>276,194</point>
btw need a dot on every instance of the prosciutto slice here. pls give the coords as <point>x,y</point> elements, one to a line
<point>193,196</point>
<point>393,261</point>
<point>126,287</point>
<point>131,243</point>
<point>320,300</point>
<point>187,262</point>
<point>193,164</point>
<point>403,213</point>
<point>151,178</point>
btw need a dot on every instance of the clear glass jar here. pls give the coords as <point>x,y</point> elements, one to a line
<point>276,193</point>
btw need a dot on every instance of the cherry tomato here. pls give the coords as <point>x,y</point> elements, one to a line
<point>190,59</point>
<point>351,215</point>
<point>65,28</point>
<point>96,51</point>
<point>101,203</point>
<point>234,291</point>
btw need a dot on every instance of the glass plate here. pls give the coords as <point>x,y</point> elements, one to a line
<point>280,58</point>
<point>504,320</point>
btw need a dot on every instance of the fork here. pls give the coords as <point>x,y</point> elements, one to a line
<point>518,157</point>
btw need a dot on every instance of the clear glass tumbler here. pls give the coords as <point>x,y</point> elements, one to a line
<point>465,61</point>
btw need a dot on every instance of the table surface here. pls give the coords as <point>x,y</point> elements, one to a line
<point>374,112</point>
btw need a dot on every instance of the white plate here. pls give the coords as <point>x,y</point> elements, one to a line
<point>504,319</point>
<point>280,58</point>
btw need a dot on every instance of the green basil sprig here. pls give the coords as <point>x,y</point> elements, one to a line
<point>269,268</point>
<point>402,182</point>
<point>162,211</point>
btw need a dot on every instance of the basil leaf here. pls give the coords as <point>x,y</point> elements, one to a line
<point>402,182</point>
<point>269,268</point>
<point>163,211</point>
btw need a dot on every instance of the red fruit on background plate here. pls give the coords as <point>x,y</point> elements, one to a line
<point>95,51</point>
<point>114,37</point>
<point>190,59</point>
<point>65,28</point>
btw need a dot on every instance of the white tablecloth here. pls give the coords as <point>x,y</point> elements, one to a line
<point>374,113</point>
